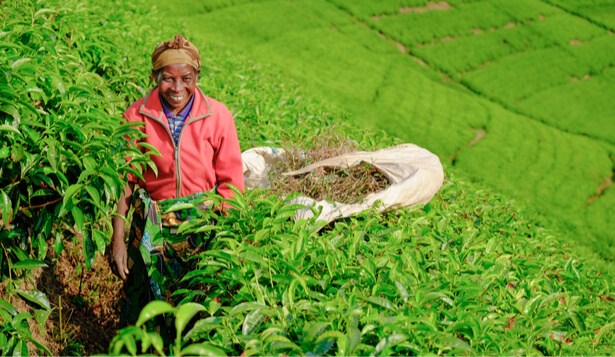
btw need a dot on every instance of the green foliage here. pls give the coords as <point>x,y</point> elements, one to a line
<point>526,10</point>
<point>526,59</point>
<point>596,54</point>
<point>15,333</point>
<point>468,53</point>
<point>63,164</point>
<point>63,86</point>
<point>414,28</point>
<point>525,74</point>
<point>364,9</point>
<point>568,106</point>
<point>466,274</point>
<point>513,140</point>
<point>270,110</point>
<point>597,11</point>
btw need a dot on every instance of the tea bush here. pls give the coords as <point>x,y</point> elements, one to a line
<point>63,86</point>
<point>414,28</point>
<point>596,11</point>
<point>468,53</point>
<point>273,286</point>
<point>465,274</point>
<point>364,9</point>
<point>526,73</point>
<point>568,106</point>
<point>488,66</point>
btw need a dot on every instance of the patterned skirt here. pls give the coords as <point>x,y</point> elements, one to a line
<point>157,254</point>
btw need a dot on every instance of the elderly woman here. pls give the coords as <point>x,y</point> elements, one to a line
<point>200,152</point>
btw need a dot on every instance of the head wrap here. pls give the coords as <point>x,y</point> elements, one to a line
<point>178,50</point>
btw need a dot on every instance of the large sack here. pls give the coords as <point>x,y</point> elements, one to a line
<point>257,162</point>
<point>415,175</point>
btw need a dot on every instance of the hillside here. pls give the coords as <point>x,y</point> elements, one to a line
<point>516,94</point>
<point>472,272</point>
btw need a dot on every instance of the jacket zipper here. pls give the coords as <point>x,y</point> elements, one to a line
<point>178,176</point>
<point>175,154</point>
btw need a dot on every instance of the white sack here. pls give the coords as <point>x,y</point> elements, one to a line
<point>415,175</point>
<point>257,163</point>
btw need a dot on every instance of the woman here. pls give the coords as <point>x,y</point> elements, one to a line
<point>200,152</point>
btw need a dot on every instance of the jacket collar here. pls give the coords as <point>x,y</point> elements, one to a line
<point>152,107</point>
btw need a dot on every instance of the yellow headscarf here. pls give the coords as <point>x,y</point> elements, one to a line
<point>178,50</point>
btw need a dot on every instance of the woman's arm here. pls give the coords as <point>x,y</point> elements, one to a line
<point>119,254</point>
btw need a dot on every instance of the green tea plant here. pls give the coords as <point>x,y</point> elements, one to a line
<point>414,27</point>
<point>63,163</point>
<point>63,86</point>
<point>466,274</point>
<point>365,9</point>
<point>550,67</point>
<point>15,334</point>
<point>597,12</point>
<point>490,67</point>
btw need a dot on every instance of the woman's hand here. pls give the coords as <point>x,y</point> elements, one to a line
<point>118,259</point>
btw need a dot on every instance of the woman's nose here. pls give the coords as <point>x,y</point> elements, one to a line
<point>177,86</point>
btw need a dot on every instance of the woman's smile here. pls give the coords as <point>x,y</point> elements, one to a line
<point>177,83</point>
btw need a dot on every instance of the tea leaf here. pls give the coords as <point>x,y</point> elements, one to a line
<point>36,297</point>
<point>152,310</point>
<point>184,314</point>
<point>29,264</point>
<point>202,350</point>
<point>252,320</point>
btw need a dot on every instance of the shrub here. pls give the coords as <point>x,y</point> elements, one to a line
<point>63,86</point>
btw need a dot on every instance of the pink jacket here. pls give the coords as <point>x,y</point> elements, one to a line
<point>207,153</point>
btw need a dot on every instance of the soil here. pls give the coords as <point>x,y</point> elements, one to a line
<point>608,181</point>
<point>420,61</point>
<point>480,134</point>
<point>90,301</point>
<point>431,6</point>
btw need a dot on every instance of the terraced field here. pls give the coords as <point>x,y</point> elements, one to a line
<point>519,94</point>
<point>470,273</point>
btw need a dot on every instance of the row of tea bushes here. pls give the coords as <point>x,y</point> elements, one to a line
<point>468,274</point>
<point>64,82</point>
<point>415,90</point>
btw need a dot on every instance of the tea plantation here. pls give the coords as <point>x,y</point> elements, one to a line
<point>535,77</point>
<point>511,256</point>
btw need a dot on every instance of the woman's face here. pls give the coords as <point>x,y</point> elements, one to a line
<point>177,83</point>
